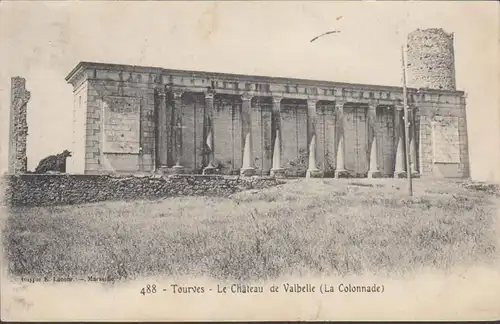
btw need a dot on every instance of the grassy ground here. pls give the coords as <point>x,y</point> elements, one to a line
<point>318,227</point>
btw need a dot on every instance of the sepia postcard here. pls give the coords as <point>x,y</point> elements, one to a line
<point>249,160</point>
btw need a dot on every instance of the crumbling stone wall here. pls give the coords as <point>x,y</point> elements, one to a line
<point>18,161</point>
<point>66,189</point>
<point>431,59</point>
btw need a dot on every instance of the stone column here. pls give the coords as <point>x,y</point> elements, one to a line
<point>276,117</point>
<point>247,168</point>
<point>373,171</point>
<point>18,127</point>
<point>210,143</point>
<point>178,127</point>
<point>277,170</point>
<point>162,130</point>
<point>340,171</point>
<point>339,113</point>
<point>311,119</point>
<point>400,165</point>
<point>413,144</point>
<point>372,122</point>
<point>312,168</point>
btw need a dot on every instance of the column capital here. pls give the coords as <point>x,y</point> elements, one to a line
<point>177,94</point>
<point>209,94</point>
<point>277,99</point>
<point>160,92</point>
<point>312,101</point>
<point>247,96</point>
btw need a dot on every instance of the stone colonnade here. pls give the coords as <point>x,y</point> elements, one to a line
<point>359,129</point>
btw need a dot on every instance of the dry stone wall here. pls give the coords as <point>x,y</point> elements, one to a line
<point>64,189</point>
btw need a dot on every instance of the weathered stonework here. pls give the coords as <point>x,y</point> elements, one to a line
<point>65,189</point>
<point>431,59</point>
<point>202,120</point>
<point>18,127</point>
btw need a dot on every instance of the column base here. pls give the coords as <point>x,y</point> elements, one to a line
<point>415,174</point>
<point>341,174</point>
<point>177,169</point>
<point>247,172</point>
<point>314,173</point>
<point>162,170</point>
<point>209,169</point>
<point>400,174</point>
<point>278,173</point>
<point>374,174</point>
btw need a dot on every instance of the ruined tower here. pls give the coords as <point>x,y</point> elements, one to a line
<point>438,115</point>
<point>18,128</point>
<point>431,59</point>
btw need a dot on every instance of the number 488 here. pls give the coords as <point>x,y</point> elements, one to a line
<point>149,289</point>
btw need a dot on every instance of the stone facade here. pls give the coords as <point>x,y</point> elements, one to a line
<point>171,121</point>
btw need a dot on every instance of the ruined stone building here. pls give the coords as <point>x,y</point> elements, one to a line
<point>145,119</point>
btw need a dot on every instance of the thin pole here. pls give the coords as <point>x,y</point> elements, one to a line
<point>407,122</point>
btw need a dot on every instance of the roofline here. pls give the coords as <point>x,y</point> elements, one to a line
<point>86,64</point>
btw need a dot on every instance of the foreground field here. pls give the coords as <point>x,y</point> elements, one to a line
<point>319,227</point>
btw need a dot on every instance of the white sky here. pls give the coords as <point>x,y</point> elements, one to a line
<point>43,41</point>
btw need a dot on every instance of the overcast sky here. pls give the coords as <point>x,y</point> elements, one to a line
<point>43,41</point>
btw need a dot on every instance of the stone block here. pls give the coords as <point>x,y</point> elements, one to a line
<point>178,169</point>
<point>399,175</point>
<point>209,170</point>
<point>374,174</point>
<point>278,173</point>
<point>341,174</point>
<point>315,173</point>
<point>247,172</point>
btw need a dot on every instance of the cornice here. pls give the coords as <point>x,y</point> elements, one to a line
<point>82,66</point>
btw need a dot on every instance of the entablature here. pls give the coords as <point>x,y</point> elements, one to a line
<point>259,85</point>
